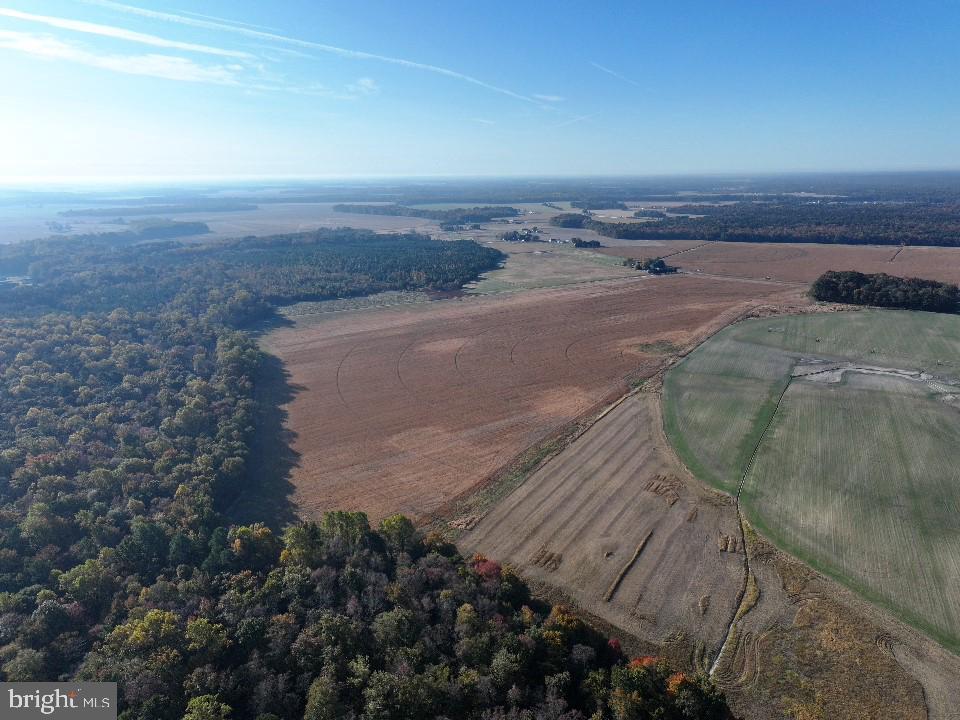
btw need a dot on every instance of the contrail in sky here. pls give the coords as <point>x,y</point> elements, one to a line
<point>118,33</point>
<point>331,49</point>
<point>615,74</point>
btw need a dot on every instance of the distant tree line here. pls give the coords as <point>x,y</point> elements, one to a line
<point>936,188</point>
<point>454,216</point>
<point>599,204</point>
<point>570,220</point>
<point>138,231</point>
<point>791,222</point>
<point>200,205</point>
<point>882,290</point>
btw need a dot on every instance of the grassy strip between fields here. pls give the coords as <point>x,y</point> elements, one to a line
<point>745,448</point>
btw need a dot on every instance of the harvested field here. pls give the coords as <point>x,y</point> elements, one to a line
<point>401,409</point>
<point>539,265</point>
<point>615,523</point>
<point>802,262</point>
<point>856,472</point>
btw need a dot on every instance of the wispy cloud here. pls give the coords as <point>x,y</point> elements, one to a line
<point>119,34</point>
<point>615,74</point>
<point>225,20</point>
<point>549,98</point>
<point>315,46</point>
<point>483,121</point>
<point>169,67</point>
<point>574,120</point>
<point>364,86</point>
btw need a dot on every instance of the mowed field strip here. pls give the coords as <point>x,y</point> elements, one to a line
<point>857,473</point>
<point>401,409</point>
<point>616,524</point>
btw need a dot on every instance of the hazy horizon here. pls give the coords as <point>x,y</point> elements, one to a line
<point>228,182</point>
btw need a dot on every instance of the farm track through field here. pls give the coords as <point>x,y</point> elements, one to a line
<point>850,464</point>
<point>743,535</point>
<point>343,400</point>
<point>681,252</point>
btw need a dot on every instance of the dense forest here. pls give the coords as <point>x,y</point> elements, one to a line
<point>238,279</point>
<point>791,221</point>
<point>453,216</point>
<point>126,421</point>
<point>882,290</point>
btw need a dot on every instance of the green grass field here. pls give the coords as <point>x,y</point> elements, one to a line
<point>859,477</point>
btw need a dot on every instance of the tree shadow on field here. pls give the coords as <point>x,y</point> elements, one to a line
<point>273,321</point>
<point>266,492</point>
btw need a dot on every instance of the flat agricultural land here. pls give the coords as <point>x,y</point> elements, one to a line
<point>401,409</point>
<point>539,265</point>
<point>574,526</point>
<point>844,428</point>
<point>805,262</point>
<point>638,249</point>
<point>578,521</point>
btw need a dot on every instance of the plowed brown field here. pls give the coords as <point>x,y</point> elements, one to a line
<point>805,262</point>
<point>401,409</point>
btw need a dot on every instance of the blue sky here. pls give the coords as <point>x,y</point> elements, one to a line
<point>311,88</point>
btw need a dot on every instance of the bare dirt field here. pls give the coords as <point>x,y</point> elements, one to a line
<point>403,408</point>
<point>798,262</point>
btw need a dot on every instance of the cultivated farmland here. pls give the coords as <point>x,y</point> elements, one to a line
<point>804,262</point>
<point>614,525</point>
<point>540,265</point>
<point>617,524</point>
<point>852,425</point>
<point>401,409</point>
